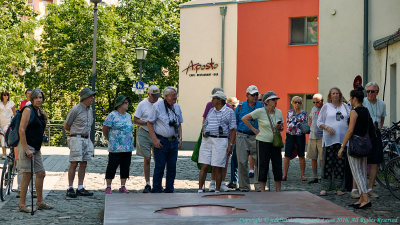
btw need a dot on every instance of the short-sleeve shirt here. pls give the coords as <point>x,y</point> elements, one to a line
<point>208,108</point>
<point>143,111</point>
<point>315,131</point>
<point>244,110</point>
<point>80,119</point>
<point>120,134</point>
<point>266,134</point>
<point>377,110</point>
<point>294,120</point>
<point>6,113</point>
<point>161,115</point>
<point>225,118</point>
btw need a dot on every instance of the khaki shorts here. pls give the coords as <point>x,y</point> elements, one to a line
<point>24,163</point>
<point>144,144</point>
<point>81,149</point>
<point>314,149</point>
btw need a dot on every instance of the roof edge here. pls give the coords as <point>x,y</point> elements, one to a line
<point>386,41</point>
<point>186,5</point>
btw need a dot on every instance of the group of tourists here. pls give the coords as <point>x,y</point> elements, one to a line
<point>249,131</point>
<point>252,129</point>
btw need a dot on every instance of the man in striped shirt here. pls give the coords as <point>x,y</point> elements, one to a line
<point>216,146</point>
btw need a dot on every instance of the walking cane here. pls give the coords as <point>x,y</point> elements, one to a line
<point>32,212</point>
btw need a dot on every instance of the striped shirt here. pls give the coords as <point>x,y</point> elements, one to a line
<point>224,118</point>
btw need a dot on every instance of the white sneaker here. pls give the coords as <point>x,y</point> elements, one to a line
<point>211,188</point>
<point>224,188</point>
<point>355,194</point>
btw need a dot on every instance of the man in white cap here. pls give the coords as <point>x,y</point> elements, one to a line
<point>215,146</point>
<point>79,123</point>
<point>144,144</point>
<point>246,139</point>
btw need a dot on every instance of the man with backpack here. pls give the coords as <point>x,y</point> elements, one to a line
<point>78,123</point>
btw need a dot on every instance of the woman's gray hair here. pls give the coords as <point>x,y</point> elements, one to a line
<point>168,90</point>
<point>372,84</point>
<point>216,89</point>
<point>35,93</point>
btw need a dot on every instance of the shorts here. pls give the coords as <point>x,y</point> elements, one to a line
<point>314,149</point>
<point>213,151</point>
<point>24,163</point>
<point>81,149</point>
<point>291,140</point>
<point>3,142</point>
<point>376,154</point>
<point>144,144</point>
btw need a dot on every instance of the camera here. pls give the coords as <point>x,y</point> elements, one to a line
<point>175,124</point>
<point>339,116</point>
<point>45,139</point>
<point>220,130</point>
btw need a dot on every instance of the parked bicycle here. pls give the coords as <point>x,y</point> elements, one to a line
<point>7,175</point>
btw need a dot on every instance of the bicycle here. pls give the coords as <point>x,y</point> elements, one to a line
<point>7,176</point>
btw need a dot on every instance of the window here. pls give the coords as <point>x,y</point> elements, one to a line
<point>304,30</point>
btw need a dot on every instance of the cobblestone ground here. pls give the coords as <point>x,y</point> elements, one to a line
<point>89,210</point>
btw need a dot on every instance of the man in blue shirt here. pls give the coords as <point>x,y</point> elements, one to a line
<point>246,139</point>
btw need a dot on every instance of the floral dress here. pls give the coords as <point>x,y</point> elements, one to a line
<point>293,122</point>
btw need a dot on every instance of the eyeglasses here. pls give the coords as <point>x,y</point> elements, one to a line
<point>297,103</point>
<point>255,94</point>
<point>372,91</point>
<point>316,102</point>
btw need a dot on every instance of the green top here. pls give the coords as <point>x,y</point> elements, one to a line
<point>266,134</point>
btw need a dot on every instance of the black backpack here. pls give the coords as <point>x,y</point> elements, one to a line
<point>12,134</point>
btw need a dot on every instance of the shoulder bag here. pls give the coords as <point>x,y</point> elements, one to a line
<point>360,146</point>
<point>277,141</point>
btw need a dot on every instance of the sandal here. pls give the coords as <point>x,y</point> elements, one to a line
<point>43,205</point>
<point>323,193</point>
<point>339,193</point>
<point>23,208</point>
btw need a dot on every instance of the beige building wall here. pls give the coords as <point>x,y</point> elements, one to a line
<point>200,40</point>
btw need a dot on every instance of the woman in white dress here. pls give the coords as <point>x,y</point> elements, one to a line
<point>7,111</point>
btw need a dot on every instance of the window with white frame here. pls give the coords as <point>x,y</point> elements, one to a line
<point>303,30</point>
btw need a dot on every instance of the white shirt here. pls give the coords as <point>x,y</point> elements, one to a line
<point>160,118</point>
<point>6,113</point>
<point>327,117</point>
<point>225,118</point>
<point>143,111</point>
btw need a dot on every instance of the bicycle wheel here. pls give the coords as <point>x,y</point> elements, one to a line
<point>389,153</point>
<point>392,177</point>
<point>4,180</point>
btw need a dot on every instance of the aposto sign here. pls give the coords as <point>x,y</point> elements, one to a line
<point>201,70</point>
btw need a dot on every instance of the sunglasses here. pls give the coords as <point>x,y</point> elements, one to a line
<point>6,94</point>
<point>372,91</point>
<point>254,95</point>
<point>316,102</point>
<point>297,103</point>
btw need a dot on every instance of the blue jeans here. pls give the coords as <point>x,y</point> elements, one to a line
<point>234,167</point>
<point>167,155</point>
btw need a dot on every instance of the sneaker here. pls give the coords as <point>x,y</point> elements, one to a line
<point>108,190</point>
<point>313,181</point>
<point>71,193</point>
<point>354,194</point>
<point>44,205</point>
<point>372,194</point>
<point>83,192</point>
<point>24,209</point>
<point>251,175</point>
<point>147,189</point>
<point>123,190</point>
<point>232,185</point>
<point>224,188</point>
<point>211,188</point>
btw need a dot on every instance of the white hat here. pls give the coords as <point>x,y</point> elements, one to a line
<point>252,89</point>
<point>219,94</point>
<point>154,90</point>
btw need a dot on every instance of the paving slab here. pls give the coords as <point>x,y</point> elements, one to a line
<point>292,207</point>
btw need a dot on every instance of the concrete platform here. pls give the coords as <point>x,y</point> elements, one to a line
<point>262,208</point>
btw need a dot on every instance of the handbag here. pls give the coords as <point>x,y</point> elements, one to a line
<point>305,128</point>
<point>277,140</point>
<point>360,146</point>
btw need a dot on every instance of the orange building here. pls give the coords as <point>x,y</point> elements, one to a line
<point>271,44</point>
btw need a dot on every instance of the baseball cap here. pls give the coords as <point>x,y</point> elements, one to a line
<point>252,89</point>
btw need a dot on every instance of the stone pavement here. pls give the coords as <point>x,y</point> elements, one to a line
<point>89,210</point>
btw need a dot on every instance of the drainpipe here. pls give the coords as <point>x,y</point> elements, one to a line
<point>365,54</point>
<point>222,11</point>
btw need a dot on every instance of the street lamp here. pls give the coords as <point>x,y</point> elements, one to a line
<point>94,65</point>
<point>141,54</point>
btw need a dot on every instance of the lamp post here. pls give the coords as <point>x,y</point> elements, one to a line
<point>141,54</point>
<point>94,66</point>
